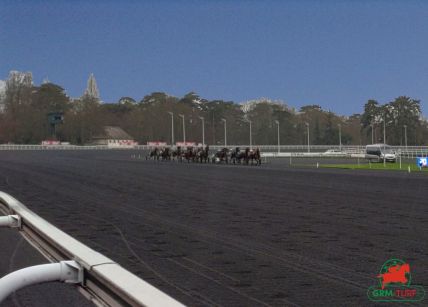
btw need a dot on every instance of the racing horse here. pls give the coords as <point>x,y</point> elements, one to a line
<point>177,154</point>
<point>202,154</point>
<point>253,155</point>
<point>189,154</point>
<point>237,155</point>
<point>154,154</point>
<point>221,155</point>
<point>165,154</point>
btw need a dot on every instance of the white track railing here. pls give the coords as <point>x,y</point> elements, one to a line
<point>65,271</point>
<point>104,282</point>
<point>409,151</point>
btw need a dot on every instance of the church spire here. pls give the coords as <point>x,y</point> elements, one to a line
<point>92,88</point>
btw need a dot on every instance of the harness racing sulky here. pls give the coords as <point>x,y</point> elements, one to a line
<point>201,154</point>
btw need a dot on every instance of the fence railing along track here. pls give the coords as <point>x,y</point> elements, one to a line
<point>103,281</point>
<point>404,151</point>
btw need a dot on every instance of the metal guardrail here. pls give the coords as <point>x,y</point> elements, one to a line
<point>90,147</point>
<point>54,147</point>
<point>409,151</point>
<point>303,155</point>
<point>105,282</point>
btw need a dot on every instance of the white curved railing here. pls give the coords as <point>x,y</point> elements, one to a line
<point>64,271</point>
<point>104,281</point>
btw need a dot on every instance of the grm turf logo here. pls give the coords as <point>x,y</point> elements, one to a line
<point>395,284</point>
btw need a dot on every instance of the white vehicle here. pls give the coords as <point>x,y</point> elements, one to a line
<point>334,152</point>
<point>380,152</point>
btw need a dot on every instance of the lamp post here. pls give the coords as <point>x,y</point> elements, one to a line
<point>384,139</point>
<point>384,130</point>
<point>372,133</point>
<point>251,137</point>
<point>184,129</point>
<point>203,130</point>
<point>172,128</point>
<point>307,126</point>
<point>225,132</point>
<point>277,124</point>
<point>340,136</point>
<point>405,136</point>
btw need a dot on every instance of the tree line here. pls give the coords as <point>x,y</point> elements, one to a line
<point>25,109</point>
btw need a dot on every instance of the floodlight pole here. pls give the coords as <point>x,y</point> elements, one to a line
<point>372,133</point>
<point>384,139</point>
<point>384,130</point>
<point>340,136</point>
<point>251,135</point>
<point>172,128</point>
<point>184,129</point>
<point>277,123</point>
<point>307,126</point>
<point>405,136</point>
<point>225,131</point>
<point>203,130</point>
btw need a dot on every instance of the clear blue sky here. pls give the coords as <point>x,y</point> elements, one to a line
<point>337,54</point>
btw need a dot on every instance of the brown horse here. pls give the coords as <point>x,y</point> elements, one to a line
<point>154,154</point>
<point>237,155</point>
<point>221,155</point>
<point>165,154</point>
<point>202,154</point>
<point>189,154</point>
<point>252,155</point>
<point>177,154</point>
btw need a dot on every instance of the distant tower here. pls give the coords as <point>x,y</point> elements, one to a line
<point>19,79</point>
<point>92,88</point>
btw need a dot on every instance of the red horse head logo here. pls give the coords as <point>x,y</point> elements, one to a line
<point>395,274</point>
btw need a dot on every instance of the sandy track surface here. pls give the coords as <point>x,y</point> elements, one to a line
<point>231,235</point>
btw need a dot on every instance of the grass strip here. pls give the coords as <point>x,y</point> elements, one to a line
<point>377,166</point>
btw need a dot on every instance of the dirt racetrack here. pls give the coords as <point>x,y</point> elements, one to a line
<point>231,235</point>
